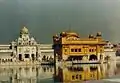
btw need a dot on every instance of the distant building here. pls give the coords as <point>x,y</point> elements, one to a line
<point>118,50</point>
<point>25,48</point>
<point>69,46</point>
<point>25,74</point>
<point>110,51</point>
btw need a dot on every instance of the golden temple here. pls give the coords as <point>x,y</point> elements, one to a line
<point>70,46</point>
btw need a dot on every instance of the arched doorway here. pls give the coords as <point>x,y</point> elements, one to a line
<point>20,57</point>
<point>33,56</point>
<point>44,58</point>
<point>73,58</point>
<point>93,57</point>
<point>27,55</point>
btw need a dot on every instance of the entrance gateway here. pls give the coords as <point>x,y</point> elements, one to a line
<point>33,57</point>
<point>27,56</point>
<point>20,57</point>
<point>25,47</point>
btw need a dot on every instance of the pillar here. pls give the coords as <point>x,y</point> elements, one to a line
<point>85,58</point>
<point>55,58</point>
<point>64,57</point>
<point>23,56</point>
<point>88,57</point>
<point>99,55</point>
<point>30,57</point>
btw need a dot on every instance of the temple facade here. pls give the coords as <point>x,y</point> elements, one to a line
<point>25,47</point>
<point>69,46</point>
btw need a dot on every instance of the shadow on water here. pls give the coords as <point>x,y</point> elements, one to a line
<point>55,74</point>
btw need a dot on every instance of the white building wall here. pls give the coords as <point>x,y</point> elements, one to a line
<point>111,54</point>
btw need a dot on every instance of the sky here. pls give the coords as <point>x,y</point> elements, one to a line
<point>45,18</point>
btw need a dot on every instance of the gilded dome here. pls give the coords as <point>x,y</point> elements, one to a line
<point>63,34</point>
<point>91,36</point>
<point>24,30</point>
<point>72,34</point>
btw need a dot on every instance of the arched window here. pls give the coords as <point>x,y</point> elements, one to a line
<point>11,60</point>
<point>93,57</point>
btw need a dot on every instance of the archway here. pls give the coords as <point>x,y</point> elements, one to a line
<point>20,57</point>
<point>44,58</point>
<point>33,56</point>
<point>73,58</point>
<point>11,60</point>
<point>3,60</point>
<point>50,59</point>
<point>27,55</point>
<point>93,57</point>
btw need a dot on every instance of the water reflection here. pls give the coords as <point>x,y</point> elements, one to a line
<point>25,74</point>
<point>51,74</point>
<point>80,73</point>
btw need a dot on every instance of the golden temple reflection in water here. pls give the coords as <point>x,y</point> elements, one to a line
<point>54,74</point>
<point>81,73</point>
<point>69,46</point>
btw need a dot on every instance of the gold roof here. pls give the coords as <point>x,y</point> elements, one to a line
<point>24,30</point>
<point>71,34</point>
<point>68,33</point>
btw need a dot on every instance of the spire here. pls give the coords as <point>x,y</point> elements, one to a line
<point>24,30</point>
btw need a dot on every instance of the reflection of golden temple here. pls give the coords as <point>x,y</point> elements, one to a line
<point>69,46</point>
<point>81,73</point>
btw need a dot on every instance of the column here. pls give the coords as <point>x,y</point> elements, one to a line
<point>88,56</point>
<point>98,57</point>
<point>30,56</point>
<point>23,56</point>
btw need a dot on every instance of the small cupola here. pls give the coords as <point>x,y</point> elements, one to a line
<point>24,30</point>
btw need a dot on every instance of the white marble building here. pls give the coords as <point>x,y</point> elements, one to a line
<point>25,47</point>
<point>110,51</point>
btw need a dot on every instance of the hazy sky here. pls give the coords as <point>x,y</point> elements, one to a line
<point>44,18</point>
